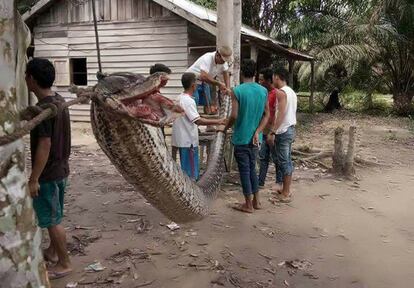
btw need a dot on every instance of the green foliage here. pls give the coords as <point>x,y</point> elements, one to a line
<point>210,4</point>
<point>373,41</point>
<point>25,5</point>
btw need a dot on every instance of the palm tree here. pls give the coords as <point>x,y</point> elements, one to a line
<point>379,33</point>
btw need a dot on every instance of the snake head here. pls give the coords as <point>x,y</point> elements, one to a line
<point>136,96</point>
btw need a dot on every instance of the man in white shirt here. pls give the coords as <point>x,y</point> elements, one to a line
<point>283,133</point>
<point>185,130</point>
<point>206,68</point>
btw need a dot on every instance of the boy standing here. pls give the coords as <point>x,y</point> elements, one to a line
<point>249,114</point>
<point>267,149</point>
<point>185,130</point>
<point>50,148</point>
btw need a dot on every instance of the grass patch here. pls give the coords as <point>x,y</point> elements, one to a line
<point>355,101</point>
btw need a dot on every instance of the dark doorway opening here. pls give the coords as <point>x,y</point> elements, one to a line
<point>78,71</point>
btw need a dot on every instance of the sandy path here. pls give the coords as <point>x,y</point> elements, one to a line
<point>353,234</point>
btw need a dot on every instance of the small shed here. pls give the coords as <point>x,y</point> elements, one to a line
<point>133,35</point>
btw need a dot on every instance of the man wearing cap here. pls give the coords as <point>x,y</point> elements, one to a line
<point>206,68</point>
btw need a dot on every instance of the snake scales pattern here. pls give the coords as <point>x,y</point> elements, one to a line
<point>139,153</point>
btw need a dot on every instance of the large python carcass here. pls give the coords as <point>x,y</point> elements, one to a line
<point>124,122</point>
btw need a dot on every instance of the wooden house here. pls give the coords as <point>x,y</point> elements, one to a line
<point>133,35</point>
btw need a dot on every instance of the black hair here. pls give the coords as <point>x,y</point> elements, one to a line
<point>248,68</point>
<point>267,74</point>
<point>42,71</point>
<point>158,67</point>
<point>188,79</point>
<point>282,73</point>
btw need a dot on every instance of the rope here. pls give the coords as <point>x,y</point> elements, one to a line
<point>47,111</point>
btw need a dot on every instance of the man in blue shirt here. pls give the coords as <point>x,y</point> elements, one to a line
<point>249,115</point>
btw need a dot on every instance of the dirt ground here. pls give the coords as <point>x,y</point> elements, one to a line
<point>335,233</point>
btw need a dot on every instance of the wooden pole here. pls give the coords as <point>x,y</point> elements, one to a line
<point>237,5</point>
<point>291,63</point>
<point>225,23</point>
<point>338,155</point>
<point>312,86</point>
<point>349,169</point>
<point>95,25</point>
<point>253,52</point>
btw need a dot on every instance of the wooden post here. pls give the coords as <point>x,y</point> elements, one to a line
<point>225,23</point>
<point>338,155</point>
<point>237,5</point>
<point>21,260</point>
<point>253,52</point>
<point>349,169</point>
<point>291,64</point>
<point>95,25</point>
<point>312,88</point>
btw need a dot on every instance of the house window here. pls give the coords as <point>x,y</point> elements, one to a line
<point>62,72</point>
<point>78,71</point>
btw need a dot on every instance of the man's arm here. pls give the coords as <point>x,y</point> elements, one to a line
<point>205,77</point>
<point>262,125</point>
<point>226,77</point>
<point>206,122</point>
<point>265,119</point>
<point>281,110</point>
<point>39,163</point>
<point>234,111</point>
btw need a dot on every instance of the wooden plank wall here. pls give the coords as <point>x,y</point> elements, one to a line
<point>128,45</point>
<point>67,11</point>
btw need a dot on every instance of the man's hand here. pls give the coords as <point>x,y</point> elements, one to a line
<point>34,188</point>
<point>222,125</point>
<point>270,140</point>
<point>256,139</point>
<point>223,87</point>
<point>223,121</point>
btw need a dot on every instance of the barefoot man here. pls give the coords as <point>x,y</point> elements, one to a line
<point>283,133</point>
<point>50,149</point>
<point>249,114</point>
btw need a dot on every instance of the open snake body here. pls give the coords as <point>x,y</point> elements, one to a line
<point>139,153</point>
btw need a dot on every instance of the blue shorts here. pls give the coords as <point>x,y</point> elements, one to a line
<point>202,95</point>
<point>48,205</point>
<point>189,161</point>
<point>284,163</point>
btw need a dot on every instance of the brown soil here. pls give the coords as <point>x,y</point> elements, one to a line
<point>348,233</point>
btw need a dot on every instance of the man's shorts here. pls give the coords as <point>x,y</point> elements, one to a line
<point>189,161</point>
<point>48,205</point>
<point>202,95</point>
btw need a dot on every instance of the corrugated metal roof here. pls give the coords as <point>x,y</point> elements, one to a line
<point>208,18</point>
<point>211,16</point>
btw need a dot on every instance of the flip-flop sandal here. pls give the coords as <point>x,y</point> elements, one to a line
<point>57,275</point>
<point>239,207</point>
<point>287,199</point>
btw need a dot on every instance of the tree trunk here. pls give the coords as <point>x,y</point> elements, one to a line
<point>21,261</point>
<point>237,5</point>
<point>403,102</point>
<point>349,169</point>
<point>338,155</point>
<point>369,101</point>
